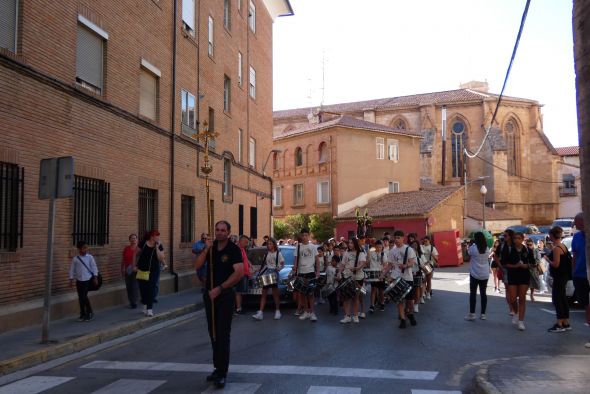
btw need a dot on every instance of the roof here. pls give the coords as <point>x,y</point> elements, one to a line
<point>347,122</point>
<point>568,151</point>
<point>436,98</point>
<point>415,203</point>
<point>475,210</point>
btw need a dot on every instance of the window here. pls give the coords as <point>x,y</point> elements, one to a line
<point>211,36</point>
<point>253,222</point>
<point>226,93</point>
<point>239,5</point>
<point>569,180</point>
<point>211,125</point>
<point>227,14</point>
<point>187,218</point>
<point>298,157</point>
<point>512,147</point>
<point>89,58</point>
<point>240,145</point>
<point>189,112</point>
<point>393,150</point>
<point>8,24</point>
<point>323,151</point>
<point>275,161</point>
<point>148,211</point>
<point>91,211</point>
<point>252,16</point>
<point>240,219</point>
<point>277,196</point>
<point>252,153</point>
<point>226,177</point>
<point>380,142</point>
<point>393,187</point>
<point>399,125</point>
<point>252,90</point>
<point>323,192</point>
<point>298,198</point>
<point>188,14</point>
<point>240,69</point>
<point>148,94</point>
<point>11,206</point>
<point>457,140</point>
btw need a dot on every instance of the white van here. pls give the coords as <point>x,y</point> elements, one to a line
<point>567,224</point>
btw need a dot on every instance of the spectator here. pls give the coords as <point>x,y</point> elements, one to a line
<point>242,286</point>
<point>561,270</point>
<point>150,257</point>
<point>128,270</point>
<point>197,248</point>
<point>580,275</point>
<point>479,273</point>
<point>84,270</point>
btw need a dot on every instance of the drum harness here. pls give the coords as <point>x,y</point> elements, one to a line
<point>276,263</point>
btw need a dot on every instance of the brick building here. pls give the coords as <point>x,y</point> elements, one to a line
<point>516,156</point>
<point>570,190</point>
<point>122,87</point>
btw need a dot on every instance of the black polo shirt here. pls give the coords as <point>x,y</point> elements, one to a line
<point>223,263</point>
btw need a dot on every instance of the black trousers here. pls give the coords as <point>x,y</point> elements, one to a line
<point>559,298</point>
<point>224,311</point>
<point>146,289</point>
<point>82,289</point>
<point>473,285</point>
<point>333,300</point>
<point>132,289</point>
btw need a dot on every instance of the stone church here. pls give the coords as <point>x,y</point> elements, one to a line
<point>517,163</point>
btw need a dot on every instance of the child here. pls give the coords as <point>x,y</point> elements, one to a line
<point>331,280</point>
<point>84,270</point>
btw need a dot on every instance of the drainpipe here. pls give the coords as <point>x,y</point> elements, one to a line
<point>172,147</point>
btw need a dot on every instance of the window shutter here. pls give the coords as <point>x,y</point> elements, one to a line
<point>188,13</point>
<point>89,57</point>
<point>8,24</point>
<point>148,89</point>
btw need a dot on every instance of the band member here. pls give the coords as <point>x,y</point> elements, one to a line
<point>402,257</point>
<point>306,266</point>
<point>431,256</point>
<point>331,281</point>
<point>273,262</point>
<point>418,275</point>
<point>518,262</point>
<point>377,260</point>
<point>386,245</point>
<point>352,265</point>
<point>219,300</point>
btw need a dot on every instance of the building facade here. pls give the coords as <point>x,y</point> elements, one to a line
<point>517,159</point>
<point>568,172</point>
<point>123,87</point>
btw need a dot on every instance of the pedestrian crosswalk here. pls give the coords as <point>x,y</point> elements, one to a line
<point>34,384</point>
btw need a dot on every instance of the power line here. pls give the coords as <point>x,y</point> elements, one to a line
<point>520,176</point>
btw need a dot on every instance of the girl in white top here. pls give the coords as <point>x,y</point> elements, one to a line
<point>430,255</point>
<point>353,262</point>
<point>417,271</point>
<point>274,262</point>
<point>378,258</point>
<point>479,274</point>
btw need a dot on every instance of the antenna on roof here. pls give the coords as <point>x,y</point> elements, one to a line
<point>323,77</point>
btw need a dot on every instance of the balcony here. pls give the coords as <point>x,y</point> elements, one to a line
<point>568,191</point>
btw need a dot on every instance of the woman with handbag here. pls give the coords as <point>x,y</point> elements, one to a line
<point>150,256</point>
<point>128,270</point>
<point>534,269</point>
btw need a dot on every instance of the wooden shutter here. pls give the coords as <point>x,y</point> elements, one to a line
<point>148,93</point>
<point>89,57</point>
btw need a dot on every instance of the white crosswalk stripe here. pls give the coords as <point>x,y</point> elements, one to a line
<point>333,390</point>
<point>34,384</point>
<point>235,388</point>
<point>130,386</point>
<point>267,369</point>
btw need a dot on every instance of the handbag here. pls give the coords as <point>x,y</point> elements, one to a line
<point>96,281</point>
<point>145,275</point>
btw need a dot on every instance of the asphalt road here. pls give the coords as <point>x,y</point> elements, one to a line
<point>441,354</point>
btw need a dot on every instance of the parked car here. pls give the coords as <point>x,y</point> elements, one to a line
<point>536,237</point>
<point>567,224</point>
<point>256,257</point>
<point>525,229</point>
<point>544,229</point>
<point>534,228</point>
<point>569,287</point>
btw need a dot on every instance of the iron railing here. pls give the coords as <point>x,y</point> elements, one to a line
<point>148,211</point>
<point>187,218</point>
<point>565,191</point>
<point>91,211</point>
<point>11,206</point>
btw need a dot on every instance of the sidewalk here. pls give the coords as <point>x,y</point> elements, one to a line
<point>21,348</point>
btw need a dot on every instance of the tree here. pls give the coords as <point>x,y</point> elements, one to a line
<point>281,229</point>
<point>290,226</point>
<point>322,226</point>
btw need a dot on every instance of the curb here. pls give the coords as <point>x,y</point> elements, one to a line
<point>75,345</point>
<point>482,384</point>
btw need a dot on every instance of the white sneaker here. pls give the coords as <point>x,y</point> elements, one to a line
<point>278,315</point>
<point>355,319</point>
<point>416,310</point>
<point>428,296</point>
<point>313,317</point>
<point>304,316</point>
<point>587,345</point>
<point>149,313</point>
<point>422,301</point>
<point>470,317</point>
<point>298,312</point>
<point>515,319</point>
<point>346,320</point>
<point>362,315</point>
<point>483,316</point>
<point>521,325</point>
<point>258,316</point>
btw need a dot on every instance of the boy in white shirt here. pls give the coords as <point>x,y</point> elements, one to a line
<point>306,266</point>
<point>330,280</point>
<point>83,269</point>
<point>378,259</point>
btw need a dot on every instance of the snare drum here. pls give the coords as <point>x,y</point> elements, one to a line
<point>347,288</point>
<point>398,290</point>
<point>268,279</point>
<point>372,275</point>
<point>327,290</point>
<point>304,286</point>
<point>321,281</point>
<point>427,268</point>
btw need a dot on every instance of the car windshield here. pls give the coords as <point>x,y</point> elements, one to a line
<point>544,229</point>
<point>567,242</point>
<point>521,229</point>
<point>563,223</point>
<point>288,255</point>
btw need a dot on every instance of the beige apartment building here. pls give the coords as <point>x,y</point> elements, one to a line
<point>122,87</point>
<point>334,163</point>
<point>517,162</point>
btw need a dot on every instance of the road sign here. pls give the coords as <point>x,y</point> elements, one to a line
<point>56,178</point>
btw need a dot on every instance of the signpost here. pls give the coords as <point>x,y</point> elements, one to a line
<point>56,180</point>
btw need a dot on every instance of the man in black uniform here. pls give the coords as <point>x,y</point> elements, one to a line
<point>227,271</point>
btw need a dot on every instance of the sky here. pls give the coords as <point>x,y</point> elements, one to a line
<point>336,51</point>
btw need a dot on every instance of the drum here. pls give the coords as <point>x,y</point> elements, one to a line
<point>427,268</point>
<point>327,290</point>
<point>372,275</point>
<point>347,288</point>
<point>418,279</point>
<point>267,279</point>
<point>398,290</point>
<point>321,281</point>
<point>303,286</point>
<point>361,290</point>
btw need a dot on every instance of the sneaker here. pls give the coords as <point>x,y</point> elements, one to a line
<point>82,318</point>
<point>362,315</point>
<point>515,319</point>
<point>304,316</point>
<point>382,307</point>
<point>214,375</point>
<point>402,323</point>
<point>412,320</point>
<point>89,317</point>
<point>278,315</point>
<point>416,310</point>
<point>258,316</point>
<point>313,317</point>
<point>567,327</point>
<point>239,311</point>
<point>587,345</point>
<point>346,319</point>
<point>149,313</point>
<point>428,296</point>
<point>298,312</point>
<point>521,325</point>
<point>355,319</point>
<point>470,317</point>
<point>556,328</point>
<point>483,316</point>
<point>422,300</point>
<point>372,309</point>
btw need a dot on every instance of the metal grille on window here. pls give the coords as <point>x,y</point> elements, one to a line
<point>187,218</point>
<point>11,206</point>
<point>148,210</point>
<point>91,211</point>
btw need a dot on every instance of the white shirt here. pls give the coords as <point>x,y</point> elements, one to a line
<point>396,256</point>
<point>330,274</point>
<point>79,272</point>
<point>271,260</point>
<point>348,263</point>
<point>306,259</point>
<point>421,261</point>
<point>377,260</point>
<point>480,266</point>
<point>426,253</point>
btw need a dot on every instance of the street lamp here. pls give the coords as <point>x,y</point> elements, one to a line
<point>483,190</point>
<point>271,189</point>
